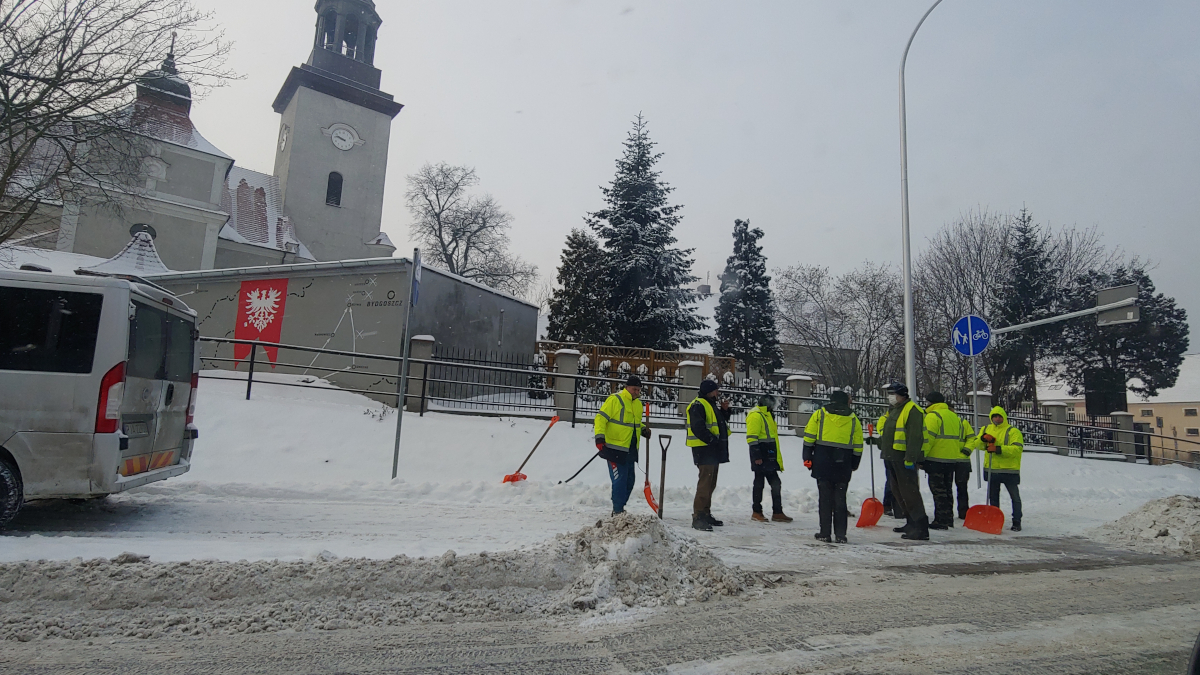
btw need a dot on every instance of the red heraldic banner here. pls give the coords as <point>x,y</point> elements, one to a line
<point>260,315</point>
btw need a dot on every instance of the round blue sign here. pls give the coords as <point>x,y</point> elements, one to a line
<point>971,335</point>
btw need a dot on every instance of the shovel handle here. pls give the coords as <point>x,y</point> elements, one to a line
<point>553,421</point>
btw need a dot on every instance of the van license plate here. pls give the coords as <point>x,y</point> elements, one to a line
<point>136,430</point>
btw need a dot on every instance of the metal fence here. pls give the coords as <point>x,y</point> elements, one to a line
<point>466,382</point>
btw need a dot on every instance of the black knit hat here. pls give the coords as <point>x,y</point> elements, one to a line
<point>839,396</point>
<point>633,381</point>
<point>936,397</point>
<point>708,386</point>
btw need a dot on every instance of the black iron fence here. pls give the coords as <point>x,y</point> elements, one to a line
<point>487,383</point>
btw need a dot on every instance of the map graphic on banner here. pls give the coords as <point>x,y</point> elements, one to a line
<point>260,315</point>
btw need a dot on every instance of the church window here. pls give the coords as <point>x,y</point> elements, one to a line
<point>333,194</point>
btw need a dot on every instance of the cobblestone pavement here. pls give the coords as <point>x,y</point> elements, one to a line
<point>1051,606</point>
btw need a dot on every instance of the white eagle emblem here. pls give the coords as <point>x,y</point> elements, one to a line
<point>261,306</point>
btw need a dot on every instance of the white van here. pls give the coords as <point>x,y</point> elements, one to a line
<point>98,380</point>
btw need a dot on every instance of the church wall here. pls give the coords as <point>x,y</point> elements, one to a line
<point>188,177</point>
<point>232,254</point>
<point>304,165</point>
<point>102,232</point>
<point>359,310</point>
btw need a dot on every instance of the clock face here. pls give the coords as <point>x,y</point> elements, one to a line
<point>343,139</point>
<point>283,138</point>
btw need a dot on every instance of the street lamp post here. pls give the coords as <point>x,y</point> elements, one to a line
<point>910,346</point>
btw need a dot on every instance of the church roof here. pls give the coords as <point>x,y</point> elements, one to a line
<point>255,207</point>
<point>163,121</point>
<point>138,258</point>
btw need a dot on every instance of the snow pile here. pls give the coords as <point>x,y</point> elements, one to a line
<point>1168,525</point>
<point>620,563</point>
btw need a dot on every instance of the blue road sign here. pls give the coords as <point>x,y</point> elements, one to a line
<point>971,335</point>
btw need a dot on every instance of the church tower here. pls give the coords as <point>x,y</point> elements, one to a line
<point>331,158</point>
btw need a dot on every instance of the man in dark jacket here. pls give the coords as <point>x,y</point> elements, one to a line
<point>833,445</point>
<point>708,437</point>
<point>901,440</point>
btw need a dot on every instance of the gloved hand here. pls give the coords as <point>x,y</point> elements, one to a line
<point>599,445</point>
<point>645,432</point>
<point>994,449</point>
<point>988,438</point>
<point>808,463</point>
<point>910,466</point>
<point>758,461</point>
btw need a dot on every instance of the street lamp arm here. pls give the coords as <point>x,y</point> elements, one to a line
<point>1128,302</point>
<point>910,347</point>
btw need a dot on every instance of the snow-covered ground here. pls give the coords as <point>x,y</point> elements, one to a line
<point>300,473</point>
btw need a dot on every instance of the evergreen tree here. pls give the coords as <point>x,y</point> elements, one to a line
<point>646,278</point>
<point>1026,294</point>
<point>746,311</point>
<point>1146,354</point>
<point>578,308</point>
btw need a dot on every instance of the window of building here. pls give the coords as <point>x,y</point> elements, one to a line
<point>1193,431</point>
<point>1147,413</point>
<point>333,194</point>
<point>1189,412</point>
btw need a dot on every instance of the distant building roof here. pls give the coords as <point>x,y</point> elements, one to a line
<point>255,207</point>
<point>138,258</point>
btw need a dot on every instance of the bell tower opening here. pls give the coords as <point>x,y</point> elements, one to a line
<point>347,29</point>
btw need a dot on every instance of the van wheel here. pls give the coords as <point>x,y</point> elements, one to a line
<point>11,492</point>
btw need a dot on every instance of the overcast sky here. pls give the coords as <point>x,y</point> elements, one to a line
<point>785,113</point>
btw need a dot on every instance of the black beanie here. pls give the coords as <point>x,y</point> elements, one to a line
<point>708,386</point>
<point>935,397</point>
<point>633,381</point>
<point>839,396</point>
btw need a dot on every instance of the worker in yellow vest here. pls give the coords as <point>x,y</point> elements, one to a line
<point>902,440</point>
<point>708,437</point>
<point>1004,445</point>
<point>833,445</point>
<point>617,430</point>
<point>766,459</point>
<point>946,435</point>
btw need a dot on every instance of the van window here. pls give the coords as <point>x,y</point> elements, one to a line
<point>160,345</point>
<point>48,331</point>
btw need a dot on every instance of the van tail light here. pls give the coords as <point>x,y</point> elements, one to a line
<point>191,413</point>
<point>112,391</point>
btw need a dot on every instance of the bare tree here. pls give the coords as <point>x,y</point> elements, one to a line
<point>850,324</point>
<point>68,130</point>
<point>465,234</point>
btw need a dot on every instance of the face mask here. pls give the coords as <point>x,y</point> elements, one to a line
<point>892,399</point>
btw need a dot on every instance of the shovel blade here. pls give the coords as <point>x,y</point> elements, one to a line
<point>983,518</point>
<point>872,511</point>
<point>514,477</point>
<point>650,497</point>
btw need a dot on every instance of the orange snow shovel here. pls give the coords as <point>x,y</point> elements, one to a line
<point>872,509</point>
<point>518,476</point>
<point>983,517</point>
<point>649,491</point>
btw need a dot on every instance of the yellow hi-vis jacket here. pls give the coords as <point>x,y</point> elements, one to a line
<point>619,422</point>
<point>835,431</point>
<point>710,421</point>
<point>946,435</point>
<point>761,430</point>
<point>899,441</point>
<point>1009,441</point>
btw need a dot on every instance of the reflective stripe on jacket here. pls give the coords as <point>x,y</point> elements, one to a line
<point>835,431</point>
<point>762,431</point>
<point>945,435</point>
<point>619,422</point>
<point>710,420</point>
<point>899,441</point>
<point>1009,440</point>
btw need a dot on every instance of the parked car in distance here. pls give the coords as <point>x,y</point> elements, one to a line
<point>98,379</point>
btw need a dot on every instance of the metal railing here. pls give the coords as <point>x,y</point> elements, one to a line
<point>477,386</point>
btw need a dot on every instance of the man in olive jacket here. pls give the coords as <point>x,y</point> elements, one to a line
<point>901,440</point>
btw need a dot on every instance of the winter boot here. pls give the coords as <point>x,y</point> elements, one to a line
<point>713,521</point>
<point>938,526</point>
<point>842,539</point>
<point>903,528</point>
<point>919,532</point>
<point>1016,526</point>
<point>699,522</point>
<point>758,517</point>
<point>780,517</point>
<point>823,537</point>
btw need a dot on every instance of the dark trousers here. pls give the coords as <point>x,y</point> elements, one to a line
<point>772,477</point>
<point>1011,481</point>
<point>941,484</point>
<point>622,475</point>
<point>906,488</point>
<point>831,506</point>
<point>705,486</point>
<point>890,502</point>
<point>962,481</point>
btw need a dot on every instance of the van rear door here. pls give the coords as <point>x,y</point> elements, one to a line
<point>157,387</point>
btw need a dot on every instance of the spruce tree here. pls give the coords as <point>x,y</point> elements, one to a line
<point>1027,294</point>
<point>578,308</point>
<point>647,280</point>
<point>746,311</point>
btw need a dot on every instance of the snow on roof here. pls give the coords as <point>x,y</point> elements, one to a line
<point>165,122</point>
<point>255,206</point>
<point>59,262</point>
<point>138,258</point>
